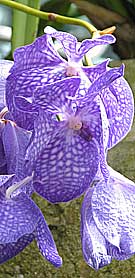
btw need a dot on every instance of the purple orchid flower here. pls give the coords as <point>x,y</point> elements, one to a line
<point>65,153</point>
<point>107,221</point>
<point>62,170</point>
<point>39,63</point>
<point>21,221</point>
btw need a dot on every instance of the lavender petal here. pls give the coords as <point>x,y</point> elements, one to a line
<point>19,216</point>
<point>94,72</point>
<point>119,109</point>
<point>94,245</point>
<point>63,171</point>
<point>87,44</point>
<point>15,152</point>
<point>41,52</point>
<point>46,243</point>
<point>113,211</point>
<point>5,66</point>
<point>11,249</point>
<point>54,96</point>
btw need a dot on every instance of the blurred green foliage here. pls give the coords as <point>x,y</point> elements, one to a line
<point>24,25</point>
<point>102,14</point>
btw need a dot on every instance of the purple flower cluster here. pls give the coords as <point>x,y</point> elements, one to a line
<point>58,120</point>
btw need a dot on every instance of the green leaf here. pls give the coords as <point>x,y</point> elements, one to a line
<point>32,23</point>
<point>24,26</point>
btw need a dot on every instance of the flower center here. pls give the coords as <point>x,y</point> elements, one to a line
<point>74,123</point>
<point>72,69</point>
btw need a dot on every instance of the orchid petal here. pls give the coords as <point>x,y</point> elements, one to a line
<point>68,41</point>
<point>118,254</point>
<point>96,124</point>
<point>15,152</point>
<point>94,72</point>
<point>87,44</point>
<point>43,131</point>
<point>5,182</point>
<point>113,204</point>
<point>101,83</point>
<point>5,66</point>
<point>94,245</point>
<point>71,47</point>
<point>11,249</point>
<point>24,85</point>
<point>104,142</point>
<point>63,172</point>
<point>46,243</point>
<point>19,216</point>
<point>118,101</point>
<point>53,97</point>
<point>3,168</point>
<point>41,52</point>
<point>105,80</point>
<point>119,109</point>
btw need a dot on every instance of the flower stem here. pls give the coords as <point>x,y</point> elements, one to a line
<point>49,16</point>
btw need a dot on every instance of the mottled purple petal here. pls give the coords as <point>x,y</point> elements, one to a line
<point>19,216</point>
<point>118,254</point>
<point>67,40</point>
<point>5,66</point>
<point>103,82</point>
<point>94,245</point>
<point>25,104</point>
<point>87,44</point>
<point>63,170</point>
<point>118,101</point>
<point>46,243</point>
<point>24,84</point>
<point>3,168</point>
<point>119,109</point>
<point>44,129</point>
<point>53,96</point>
<point>22,119</point>
<point>104,142</point>
<point>5,181</point>
<point>41,52</point>
<point>92,116</point>
<point>94,72</point>
<point>15,151</point>
<point>11,249</point>
<point>95,124</point>
<point>113,206</point>
<point>119,105</point>
<point>71,47</point>
<point>33,67</point>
